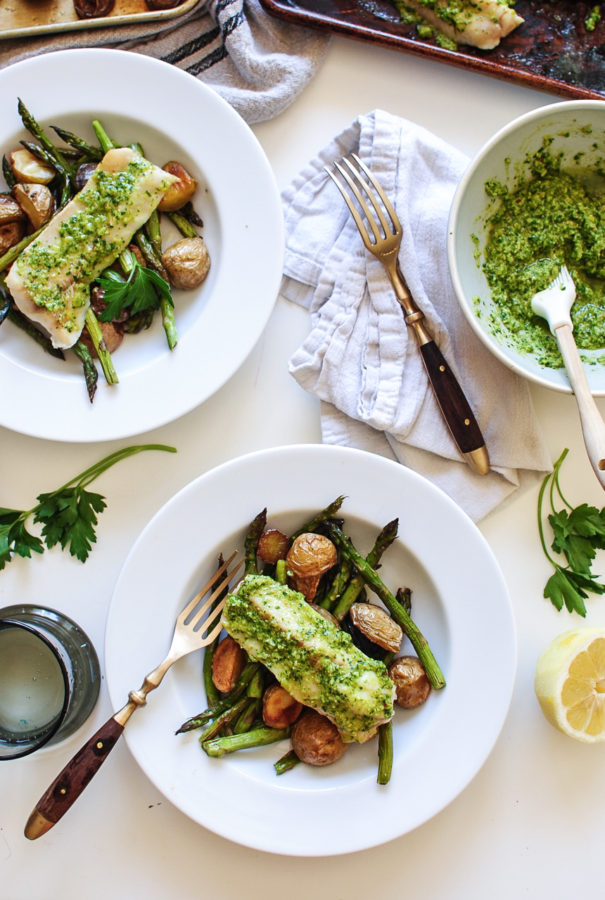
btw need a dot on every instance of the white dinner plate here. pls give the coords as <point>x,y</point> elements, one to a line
<point>174,117</point>
<point>459,600</point>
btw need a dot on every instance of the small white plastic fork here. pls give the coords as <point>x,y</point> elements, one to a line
<point>554,305</point>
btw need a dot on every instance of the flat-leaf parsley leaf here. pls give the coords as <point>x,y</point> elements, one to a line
<point>578,532</point>
<point>68,515</point>
<point>143,289</point>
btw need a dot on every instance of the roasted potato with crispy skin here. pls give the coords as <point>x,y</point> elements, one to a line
<point>180,192</point>
<point>309,557</point>
<point>377,625</point>
<point>187,263</point>
<point>227,664</point>
<point>411,683</point>
<point>273,545</point>
<point>10,234</point>
<point>83,174</point>
<point>37,203</point>
<point>10,211</point>
<point>316,740</point>
<point>280,709</point>
<point>27,169</point>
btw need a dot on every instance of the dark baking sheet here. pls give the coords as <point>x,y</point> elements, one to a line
<point>552,51</point>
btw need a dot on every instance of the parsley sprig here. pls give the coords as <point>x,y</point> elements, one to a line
<point>68,515</point>
<point>578,532</point>
<point>143,289</point>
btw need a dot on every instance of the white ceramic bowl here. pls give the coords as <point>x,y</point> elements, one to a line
<point>564,123</point>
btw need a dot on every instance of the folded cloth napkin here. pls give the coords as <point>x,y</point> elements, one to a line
<point>258,64</point>
<point>359,357</point>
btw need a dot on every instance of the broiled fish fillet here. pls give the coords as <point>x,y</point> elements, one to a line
<point>50,280</point>
<point>479,23</point>
<point>314,660</point>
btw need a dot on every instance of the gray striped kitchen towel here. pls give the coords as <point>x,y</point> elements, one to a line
<point>255,62</point>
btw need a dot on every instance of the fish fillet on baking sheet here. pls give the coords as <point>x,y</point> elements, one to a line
<point>479,23</point>
<point>50,280</point>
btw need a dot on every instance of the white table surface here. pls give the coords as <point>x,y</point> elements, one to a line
<point>529,825</point>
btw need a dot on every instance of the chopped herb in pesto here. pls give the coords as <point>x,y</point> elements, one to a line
<point>551,217</point>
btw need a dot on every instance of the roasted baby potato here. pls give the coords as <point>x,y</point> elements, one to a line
<point>36,201</point>
<point>377,625</point>
<point>273,545</point>
<point>10,211</point>
<point>27,169</point>
<point>179,193</point>
<point>187,263</point>
<point>316,740</point>
<point>309,557</point>
<point>280,709</point>
<point>411,683</point>
<point>10,234</point>
<point>83,173</point>
<point>227,664</point>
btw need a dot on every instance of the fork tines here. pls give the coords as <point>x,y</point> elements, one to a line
<point>354,178</point>
<point>201,618</point>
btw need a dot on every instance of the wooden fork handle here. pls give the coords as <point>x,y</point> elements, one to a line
<point>455,408</point>
<point>71,781</point>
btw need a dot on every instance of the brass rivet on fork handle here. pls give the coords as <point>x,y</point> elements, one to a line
<point>381,233</point>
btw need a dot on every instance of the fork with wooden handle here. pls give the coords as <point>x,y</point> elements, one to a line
<point>381,233</point>
<point>196,627</point>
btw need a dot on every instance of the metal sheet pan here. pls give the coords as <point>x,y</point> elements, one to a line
<point>552,51</point>
<point>32,18</point>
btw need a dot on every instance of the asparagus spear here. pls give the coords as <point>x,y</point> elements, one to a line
<point>91,376</point>
<point>248,716</point>
<point>166,306</point>
<point>373,580</point>
<point>258,737</point>
<point>225,718</point>
<point>353,589</point>
<point>11,255</point>
<point>9,175</point>
<point>105,142</point>
<point>212,694</point>
<point>22,322</point>
<point>96,335</point>
<point>226,702</point>
<point>385,753</point>
<point>327,513</point>
<point>286,762</point>
<point>59,162</point>
<point>92,154</point>
<point>183,225</point>
<point>255,529</point>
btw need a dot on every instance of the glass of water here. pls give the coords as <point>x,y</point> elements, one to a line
<point>49,678</point>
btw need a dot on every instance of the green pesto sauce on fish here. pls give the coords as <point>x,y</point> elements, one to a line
<point>84,240</point>
<point>552,218</point>
<point>314,660</point>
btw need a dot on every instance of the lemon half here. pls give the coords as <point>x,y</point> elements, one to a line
<point>570,683</point>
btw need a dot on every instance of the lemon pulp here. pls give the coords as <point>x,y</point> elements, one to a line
<point>570,683</point>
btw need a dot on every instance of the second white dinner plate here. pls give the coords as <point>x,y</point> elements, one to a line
<point>174,117</point>
<point>459,600</point>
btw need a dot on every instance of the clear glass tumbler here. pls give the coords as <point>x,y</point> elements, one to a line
<point>49,678</point>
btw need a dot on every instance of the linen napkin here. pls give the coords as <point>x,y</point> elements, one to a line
<point>360,358</point>
<point>255,62</point>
